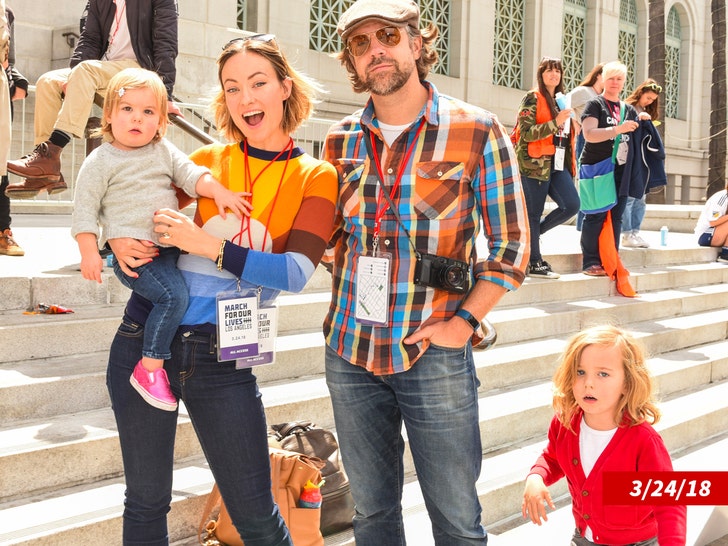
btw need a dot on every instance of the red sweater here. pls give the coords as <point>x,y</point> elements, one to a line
<point>632,448</point>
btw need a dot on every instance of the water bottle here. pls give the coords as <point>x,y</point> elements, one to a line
<point>663,236</point>
<point>560,100</point>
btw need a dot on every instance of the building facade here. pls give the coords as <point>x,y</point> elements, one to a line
<point>489,50</point>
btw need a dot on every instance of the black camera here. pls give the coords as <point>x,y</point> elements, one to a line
<point>442,273</point>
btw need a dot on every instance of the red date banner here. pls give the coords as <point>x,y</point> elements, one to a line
<point>666,488</point>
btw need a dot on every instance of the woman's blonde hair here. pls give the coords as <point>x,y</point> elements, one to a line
<point>297,108</point>
<point>613,68</point>
<point>636,405</point>
<point>133,78</point>
<point>428,56</point>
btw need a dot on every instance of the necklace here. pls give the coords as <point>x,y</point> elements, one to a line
<point>249,186</point>
<point>117,19</point>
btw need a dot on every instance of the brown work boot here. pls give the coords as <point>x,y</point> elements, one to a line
<point>30,187</point>
<point>8,245</point>
<point>43,162</point>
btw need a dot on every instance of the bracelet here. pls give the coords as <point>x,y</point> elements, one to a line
<point>220,253</point>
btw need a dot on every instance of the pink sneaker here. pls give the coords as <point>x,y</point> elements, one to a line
<point>154,387</point>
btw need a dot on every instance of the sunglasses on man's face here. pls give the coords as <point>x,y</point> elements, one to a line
<point>387,36</point>
<point>254,37</point>
<point>654,87</point>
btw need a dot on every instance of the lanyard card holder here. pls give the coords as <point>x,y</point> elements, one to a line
<point>267,331</point>
<point>237,325</point>
<point>372,289</point>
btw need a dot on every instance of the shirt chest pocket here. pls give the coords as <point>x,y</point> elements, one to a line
<point>350,177</point>
<point>440,190</point>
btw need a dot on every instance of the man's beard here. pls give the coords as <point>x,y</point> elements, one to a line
<point>387,84</point>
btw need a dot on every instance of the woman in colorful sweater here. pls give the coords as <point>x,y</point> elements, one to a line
<point>234,269</point>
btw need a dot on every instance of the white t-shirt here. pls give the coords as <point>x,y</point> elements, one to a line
<point>120,47</point>
<point>591,444</point>
<point>714,208</point>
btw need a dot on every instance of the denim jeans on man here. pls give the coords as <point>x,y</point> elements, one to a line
<point>591,229</point>
<point>634,213</point>
<point>560,188</point>
<point>161,283</point>
<point>226,411</point>
<point>437,400</point>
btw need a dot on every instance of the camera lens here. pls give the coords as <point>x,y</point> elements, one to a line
<point>454,276</point>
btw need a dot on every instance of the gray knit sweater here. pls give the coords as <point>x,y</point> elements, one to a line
<point>118,191</point>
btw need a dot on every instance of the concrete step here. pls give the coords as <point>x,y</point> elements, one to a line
<point>93,511</point>
<point>27,337</point>
<point>83,444</point>
<point>507,364</point>
<point>704,528</point>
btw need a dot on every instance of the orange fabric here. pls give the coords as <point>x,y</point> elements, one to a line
<point>545,146</point>
<point>611,262</point>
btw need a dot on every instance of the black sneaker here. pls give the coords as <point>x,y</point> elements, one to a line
<point>541,269</point>
<point>723,258</point>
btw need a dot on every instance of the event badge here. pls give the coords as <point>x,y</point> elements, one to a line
<point>237,325</point>
<point>267,330</point>
<point>372,289</point>
<point>622,151</point>
<point>559,158</point>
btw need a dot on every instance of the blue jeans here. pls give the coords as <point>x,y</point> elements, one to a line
<point>162,284</point>
<point>591,229</point>
<point>225,407</point>
<point>560,188</point>
<point>634,213</point>
<point>437,400</point>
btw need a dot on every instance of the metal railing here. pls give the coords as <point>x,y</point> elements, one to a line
<point>188,133</point>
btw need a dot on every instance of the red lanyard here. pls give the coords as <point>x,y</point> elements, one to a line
<point>117,20</point>
<point>245,222</point>
<point>382,207</point>
<point>616,111</point>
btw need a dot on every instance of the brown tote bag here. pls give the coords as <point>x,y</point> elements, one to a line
<point>289,473</point>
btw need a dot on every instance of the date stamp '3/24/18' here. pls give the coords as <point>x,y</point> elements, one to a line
<point>666,488</point>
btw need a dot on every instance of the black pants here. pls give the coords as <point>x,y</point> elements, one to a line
<point>4,205</point>
<point>578,540</point>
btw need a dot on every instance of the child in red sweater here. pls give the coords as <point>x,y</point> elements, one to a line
<point>604,414</point>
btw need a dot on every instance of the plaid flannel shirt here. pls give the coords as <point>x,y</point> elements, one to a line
<point>461,174</point>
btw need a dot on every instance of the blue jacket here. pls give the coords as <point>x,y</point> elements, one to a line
<point>645,167</point>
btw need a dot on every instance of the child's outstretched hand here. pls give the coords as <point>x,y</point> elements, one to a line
<point>226,199</point>
<point>534,496</point>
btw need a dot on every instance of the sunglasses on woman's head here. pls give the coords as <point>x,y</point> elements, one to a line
<point>254,37</point>
<point>387,36</point>
<point>654,87</point>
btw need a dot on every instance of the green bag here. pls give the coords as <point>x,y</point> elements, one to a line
<point>597,187</point>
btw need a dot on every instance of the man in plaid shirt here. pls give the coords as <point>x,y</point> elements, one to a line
<point>419,173</point>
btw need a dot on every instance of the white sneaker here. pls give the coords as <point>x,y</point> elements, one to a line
<point>628,240</point>
<point>639,241</point>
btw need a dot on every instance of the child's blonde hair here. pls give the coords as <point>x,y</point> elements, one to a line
<point>637,404</point>
<point>133,78</point>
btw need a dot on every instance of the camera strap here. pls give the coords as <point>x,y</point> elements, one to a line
<point>368,137</point>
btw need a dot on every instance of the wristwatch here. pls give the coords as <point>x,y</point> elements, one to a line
<point>465,315</point>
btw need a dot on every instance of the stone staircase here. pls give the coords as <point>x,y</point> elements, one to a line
<point>60,470</point>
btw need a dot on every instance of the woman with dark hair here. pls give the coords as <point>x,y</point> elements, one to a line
<point>546,159</point>
<point>645,98</point>
<point>241,265</point>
